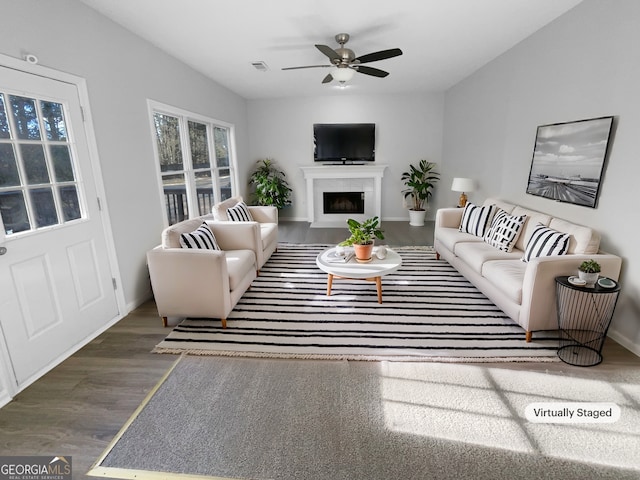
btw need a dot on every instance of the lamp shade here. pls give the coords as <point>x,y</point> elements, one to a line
<point>342,74</point>
<point>462,185</point>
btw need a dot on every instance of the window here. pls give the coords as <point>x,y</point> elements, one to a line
<point>38,181</point>
<point>194,155</point>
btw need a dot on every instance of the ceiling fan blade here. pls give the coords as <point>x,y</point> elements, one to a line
<point>307,66</point>
<point>329,52</point>
<point>381,55</point>
<point>327,79</point>
<point>375,72</point>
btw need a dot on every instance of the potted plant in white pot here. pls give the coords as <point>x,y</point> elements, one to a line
<point>588,271</point>
<point>362,237</point>
<point>419,181</point>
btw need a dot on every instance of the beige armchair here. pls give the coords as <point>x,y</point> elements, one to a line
<point>202,283</point>
<point>264,224</point>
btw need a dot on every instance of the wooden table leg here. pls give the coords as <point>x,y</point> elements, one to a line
<point>329,283</point>
<point>379,287</point>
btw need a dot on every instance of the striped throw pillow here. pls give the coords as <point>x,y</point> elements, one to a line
<point>202,238</point>
<point>504,231</point>
<point>545,242</point>
<point>476,220</point>
<point>239,213</point>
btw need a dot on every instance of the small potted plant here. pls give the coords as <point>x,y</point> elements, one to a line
<point>419,181</point>
<point>270,185</point>
<point>588,271</point>
<point>362,237</point>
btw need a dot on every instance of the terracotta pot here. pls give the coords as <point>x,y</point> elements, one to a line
<point>363,252</point>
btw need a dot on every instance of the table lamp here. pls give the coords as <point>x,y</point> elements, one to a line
<point>462,185</point>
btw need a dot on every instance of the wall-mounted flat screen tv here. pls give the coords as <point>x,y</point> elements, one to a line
<point>344,142</point>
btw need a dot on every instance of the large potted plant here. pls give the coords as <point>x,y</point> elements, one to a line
<point>271,187</point>
<point>419,181</point>
<point>362,237</point>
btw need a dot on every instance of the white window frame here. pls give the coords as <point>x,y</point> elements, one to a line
<point>184,116</point>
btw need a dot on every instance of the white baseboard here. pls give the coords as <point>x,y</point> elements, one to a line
<point>625,342</point>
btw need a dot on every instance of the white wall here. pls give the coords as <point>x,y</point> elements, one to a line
<point>122,72</point>
<point>408,128</point>
<point>583,65</point>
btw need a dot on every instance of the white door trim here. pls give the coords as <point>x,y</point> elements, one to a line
<point>83,94</point>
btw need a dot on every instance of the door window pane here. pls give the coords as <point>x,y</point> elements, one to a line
<point>14,212</point>
<point>38,176</point>
<point>221,137</point>
<point>70,203</point>
<point>175,196</point>
<point>4,122</point>
<point>44,207</point>
<point>199,145</point>
<point>9,176</point>
<point>35,165</point>
<point>25,117</point>
<point>54,121</point>
<point>62,165</point>
<point>168,136</point>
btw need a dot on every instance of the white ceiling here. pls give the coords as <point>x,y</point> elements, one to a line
<point>443,40</point>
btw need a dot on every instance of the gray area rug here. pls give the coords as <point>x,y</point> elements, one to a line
<point>247,418</point>
<point>430,312</point>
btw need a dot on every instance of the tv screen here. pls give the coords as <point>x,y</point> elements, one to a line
<point>340,142</point>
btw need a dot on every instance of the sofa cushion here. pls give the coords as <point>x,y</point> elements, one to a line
<point>545,242</point>
<point>533,218</point>
<point>268,234</point>
<point>171,235</point>
<point>201,238</point>
<point>239,262</point>
<point>475,254</point>
<point>584,240</point>
<point>239,213</point>
<point>450,237</point>
<point>219,210</point>
<point>505,230</point>
<point>507,276</point>
<point>476,219</point>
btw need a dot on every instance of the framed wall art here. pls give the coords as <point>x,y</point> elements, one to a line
<point>568,160</point>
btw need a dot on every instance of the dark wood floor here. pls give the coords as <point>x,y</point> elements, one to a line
<point>78,407</point>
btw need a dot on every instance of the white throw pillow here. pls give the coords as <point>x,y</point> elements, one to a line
<point>202,238</point>
<point>476,220</point>
<point>239,213</point>
<point>504,231</point>
<point>545,242</point>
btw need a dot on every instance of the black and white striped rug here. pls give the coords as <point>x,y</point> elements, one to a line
<point>430,312</point>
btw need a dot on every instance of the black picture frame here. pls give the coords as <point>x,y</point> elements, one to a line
<point>568,160</point>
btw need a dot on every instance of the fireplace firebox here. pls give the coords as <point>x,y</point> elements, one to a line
<point>343,202</point>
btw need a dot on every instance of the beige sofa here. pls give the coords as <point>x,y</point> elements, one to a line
<point>264,227</point>
<point>525,291</point>
<point>202,283</point>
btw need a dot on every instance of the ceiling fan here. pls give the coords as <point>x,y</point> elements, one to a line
<point>345,63</point>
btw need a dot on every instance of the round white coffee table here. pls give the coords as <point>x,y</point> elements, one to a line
<point>372,271</point>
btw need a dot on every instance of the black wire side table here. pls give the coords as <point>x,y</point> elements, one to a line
<point>584,316</point>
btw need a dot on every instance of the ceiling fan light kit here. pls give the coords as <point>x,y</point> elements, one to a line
<point>345,63</point>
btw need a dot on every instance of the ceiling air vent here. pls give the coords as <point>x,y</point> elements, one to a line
<point>260,66</point>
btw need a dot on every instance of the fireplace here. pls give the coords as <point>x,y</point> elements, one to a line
<point>343,202</point>
<point>363,180</point>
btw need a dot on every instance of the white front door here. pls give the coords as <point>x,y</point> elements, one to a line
<point>56,286</point>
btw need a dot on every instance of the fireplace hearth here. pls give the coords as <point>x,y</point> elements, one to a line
<point>343,202</point>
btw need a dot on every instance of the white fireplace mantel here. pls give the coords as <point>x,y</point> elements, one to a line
<point>321,178</point>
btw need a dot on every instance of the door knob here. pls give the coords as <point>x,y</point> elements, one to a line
<point>3,250</point>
